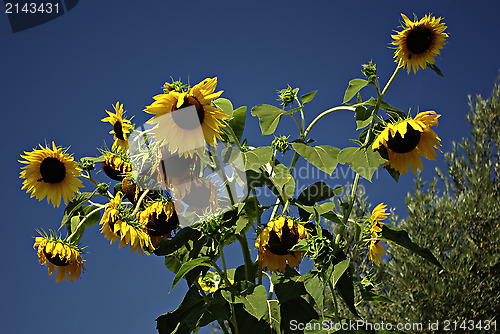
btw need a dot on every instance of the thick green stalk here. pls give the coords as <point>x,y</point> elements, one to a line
<point>246,256</point>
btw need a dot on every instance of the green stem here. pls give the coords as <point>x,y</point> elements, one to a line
<point>298,124</point>
<point>335,305</point>
<point>290,169</point>
<point>91,179</point>
<point>246,256</point>
<point>221,174</point>
<point>223,274</point>
<point>323,114</point>
<point>140,201</point>
<point>68,239</point>
<point>222,327</point>
<point>259,229</point>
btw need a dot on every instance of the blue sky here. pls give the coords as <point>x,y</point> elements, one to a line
<point>57,79</point>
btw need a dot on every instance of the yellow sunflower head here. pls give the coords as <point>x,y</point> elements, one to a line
<point>174,171</point>
<point>116,166</point>
<point>376,249</point>
<point>160,220</point>
<point>419,42</point>
<point>58,254</point>
<point>116,225</point>
<point>274,242</point>
<point>50,173</point>
<point>408,140</point>
<point>121,127</point>
<point>211,282</point>
<point>188,120</point>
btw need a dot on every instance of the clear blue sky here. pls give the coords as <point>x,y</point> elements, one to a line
<point>56,80</point>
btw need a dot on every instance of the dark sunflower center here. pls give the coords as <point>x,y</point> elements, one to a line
<point>288,240</point>
<point>186,120</point>
<point>118,130</point>
<point>159,225</point>
<point>55,259</point>
<point>419,40</point>
<point>52,170</point>
<point>198,197</point>
<point>404,145</point>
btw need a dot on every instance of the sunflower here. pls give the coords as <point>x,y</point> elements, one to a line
<point>202,195</point>
<point>408,140</point>
<point>419,42</point>
<point>187,130</point>
<point>121,127</point>
<point>160,219</point>
<point>115,226</point>
<point>376,249</point>
<point>50,173</point>
<point>276,239</point>
<point>211,282</point>
<point>60,255</point>
<point>174,171</point>
<point>115,166</point>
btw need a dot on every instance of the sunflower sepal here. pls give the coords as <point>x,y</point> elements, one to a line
<point>435,69</point>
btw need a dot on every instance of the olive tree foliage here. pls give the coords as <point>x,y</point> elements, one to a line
<point>456,216</point>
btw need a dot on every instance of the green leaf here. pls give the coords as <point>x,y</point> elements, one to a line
<point>74,205</point>
<point>370,296</point>
<point>188,266</point>
<point>435,69</point>
<point>315,286</point>
<point>355,85</point>
<point>392,172</point>
<point>283,181</point>
<point>363,161</point>
<point>323,157</point>
<point>363,116</point>
<point>344,284</point>
<point>237,122</point>
<point>177,321</point>
<point>247,215</point>
<point>288,285</point>
<point>269,117</point>
<point>225,105</point>
<point>253,298</point>
<point>316,327</point>
<point>248,324</point>
<point>78,217</point>
<point>316,192</point>
<point>257,158</point>
<point>401,238</point>
<point>273,316</point>
<point>338,270</point>
<point>308,97</point>
<point>387,107</point>
<point>299,310</point>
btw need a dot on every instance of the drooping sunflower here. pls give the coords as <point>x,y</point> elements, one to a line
<point>50,173</point>
<point>419,42</point>
<point>116,166</point>
<point>186,120</point>
<point>274,242</point>
<point>376,249</point>
<point>408,140</point>
<point>121,127</point>
<point>116,226</point>
<point>58,254</point>
<point>160,219</point>
<point>174,171</point>
<point>202,195</point>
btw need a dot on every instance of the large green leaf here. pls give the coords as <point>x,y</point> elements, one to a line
<point>253,298</point>
<point>339,270</point>
<point>363,161</point>
<point>288,285</point>
<point>237,122</point>
<point>297,310</point>
<point>344,284</point>
<point>387,107</point>
<point>435,69</point>
<point>77,219</point>
<point>273,315</point>
<point>401,238</point>
<point>225,105</point>
<point>315,286</point>
<point>175,322</point>
<point>323,157</point>
<point>248,324</point>
<point>269,117</point>
<point>316,192</point>
<point>258,157</point>
<point>355,85</point>
<point>188,266</point>
<point>283,181</point>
